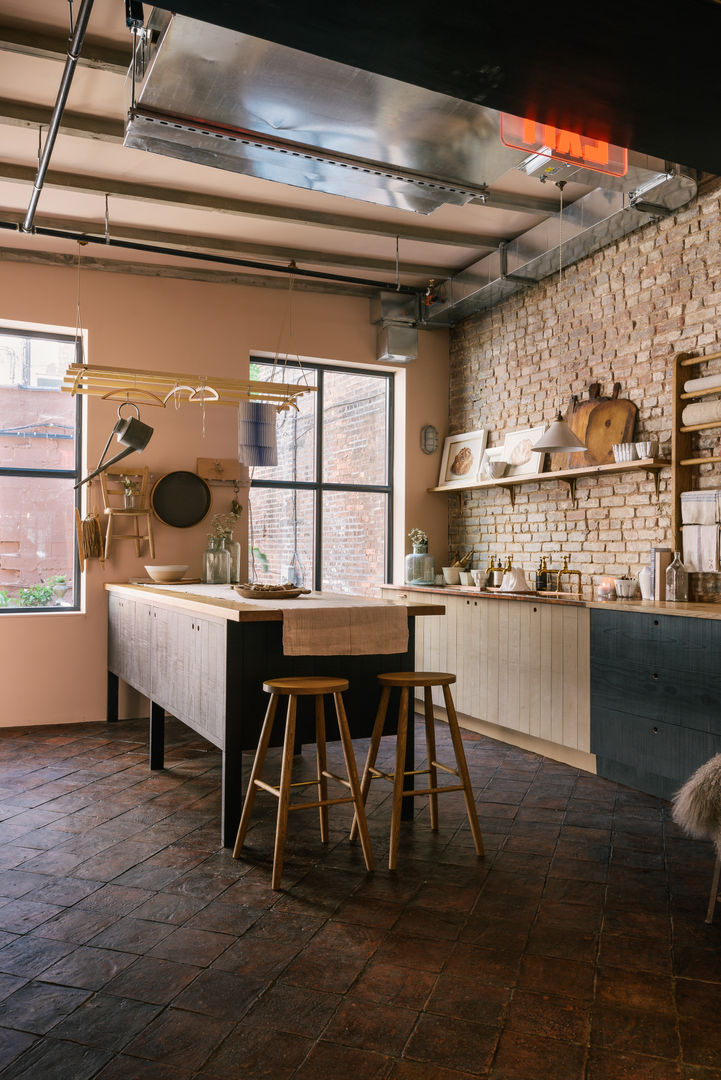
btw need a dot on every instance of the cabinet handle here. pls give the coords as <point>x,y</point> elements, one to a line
<point>654,731</point>
<point>654,676</point>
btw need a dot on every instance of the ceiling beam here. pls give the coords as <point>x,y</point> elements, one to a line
<point>23,114</point>
<point>149,193</point>
<point>186,273</point>
<point>101,56</point>
<point>239,248</point>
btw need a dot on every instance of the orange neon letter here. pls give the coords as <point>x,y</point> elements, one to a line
<point>569,143</point>
<point>597,151</point>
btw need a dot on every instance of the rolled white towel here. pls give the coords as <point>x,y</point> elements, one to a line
<point>707,382</point>
<point>702,412</point>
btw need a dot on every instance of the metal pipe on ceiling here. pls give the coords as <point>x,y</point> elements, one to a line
<point>201,256</point>
<point>74,48</point>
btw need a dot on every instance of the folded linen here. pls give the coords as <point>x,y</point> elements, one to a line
<point>345,631</point>
<point>706,382</point>
<point>701,548</point>
<point>701,507</point>
<point>701,412</point>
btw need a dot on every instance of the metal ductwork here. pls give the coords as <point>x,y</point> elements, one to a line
<point>396,317</point>
<point>216,97</point>
<point>589,224</point>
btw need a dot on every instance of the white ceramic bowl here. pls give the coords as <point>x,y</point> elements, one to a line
<point>495,469</point>
<point>625,451</point>
<point>625,587</point>
<point>647,449</point>
<point>466,577</point>
<point>166,574</point>
<point>451,575</point>
<point>479,577</point>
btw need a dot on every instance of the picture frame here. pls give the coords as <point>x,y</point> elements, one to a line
<point>461,459</point>
<point>522,461</point>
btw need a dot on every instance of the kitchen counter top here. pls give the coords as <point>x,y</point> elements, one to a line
<point>693,610</point>
<point>224,602</point>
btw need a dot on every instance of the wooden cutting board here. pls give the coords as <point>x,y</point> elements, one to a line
<point>599,422</point>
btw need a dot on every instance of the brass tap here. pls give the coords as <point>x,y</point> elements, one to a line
<point>565,572</point>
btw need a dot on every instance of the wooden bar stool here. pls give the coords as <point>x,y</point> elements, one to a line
<point>406,680</point>
<point>293,688</point>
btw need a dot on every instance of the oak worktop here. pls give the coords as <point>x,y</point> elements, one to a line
<point>690,609</point>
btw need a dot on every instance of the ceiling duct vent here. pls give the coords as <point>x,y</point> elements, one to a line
<point>396,316</point>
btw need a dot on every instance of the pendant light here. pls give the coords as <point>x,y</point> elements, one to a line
<point>558,437</point>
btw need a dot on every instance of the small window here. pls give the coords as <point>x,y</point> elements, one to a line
<point>39,466</point>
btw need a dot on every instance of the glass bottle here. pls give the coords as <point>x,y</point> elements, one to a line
<point>542,575</point>
<point>216,564</point>
<point>420,567</point>
<point>676,579</point>
<point>233,548</point>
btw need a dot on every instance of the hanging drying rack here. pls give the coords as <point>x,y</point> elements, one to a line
<point>157,388</point>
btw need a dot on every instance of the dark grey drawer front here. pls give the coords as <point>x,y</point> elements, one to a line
<point>647,754</point>
<point>663,667</point>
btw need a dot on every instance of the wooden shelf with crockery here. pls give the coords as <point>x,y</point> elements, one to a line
<point>565,476</point>
<point>683,443</point>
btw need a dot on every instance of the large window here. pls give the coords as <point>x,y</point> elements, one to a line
<point>39,466</point>
<point>323,514</point>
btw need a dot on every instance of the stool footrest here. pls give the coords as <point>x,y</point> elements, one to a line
<point>445,768</point>
<point>376,774</point>
<point>433,790</point>
<point>320,802</point>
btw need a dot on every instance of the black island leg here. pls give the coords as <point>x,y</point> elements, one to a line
<point>111,709</point>
<point>157,736</point>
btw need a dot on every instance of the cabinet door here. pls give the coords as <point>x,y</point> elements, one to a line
<point>129,641</point>
<point>188,670</point>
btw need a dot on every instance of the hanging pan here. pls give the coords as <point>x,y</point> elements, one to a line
<point>180,499</point>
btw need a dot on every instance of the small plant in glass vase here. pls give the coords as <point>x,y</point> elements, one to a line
<point>131,490</point>
<point>419,567</point>
<point>419,539</point>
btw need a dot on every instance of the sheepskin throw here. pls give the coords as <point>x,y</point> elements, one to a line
<point>697,805</point>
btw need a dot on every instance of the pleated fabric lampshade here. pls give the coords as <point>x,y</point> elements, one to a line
<point>257,443</point>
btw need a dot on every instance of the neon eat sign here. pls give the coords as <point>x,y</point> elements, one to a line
<point>523,133</point>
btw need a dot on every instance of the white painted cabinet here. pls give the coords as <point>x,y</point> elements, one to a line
<point>129,626</point>
<point>520,665</point>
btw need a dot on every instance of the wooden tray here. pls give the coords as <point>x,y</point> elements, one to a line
<point>269,594</point>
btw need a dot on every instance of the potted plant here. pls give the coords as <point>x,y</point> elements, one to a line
<point>223,525</point>
<point>420,567</point>
<point>59,585</point>
<point>131,490</point>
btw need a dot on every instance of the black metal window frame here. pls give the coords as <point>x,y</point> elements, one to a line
<point>318,486</point>
<point>51,474</point>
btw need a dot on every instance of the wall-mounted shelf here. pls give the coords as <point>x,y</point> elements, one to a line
<point>682,444</point>
<point>652,466</point>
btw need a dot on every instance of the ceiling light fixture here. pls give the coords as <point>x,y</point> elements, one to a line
<point>558,437</point>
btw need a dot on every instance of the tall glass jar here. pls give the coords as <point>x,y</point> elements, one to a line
<point>420,568</point>
<point>216,564</point>
<point>233,548</point>
<point>676,579</point>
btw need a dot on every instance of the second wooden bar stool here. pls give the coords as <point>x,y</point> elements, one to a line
<point>407,680</point>
<point>293,688</point>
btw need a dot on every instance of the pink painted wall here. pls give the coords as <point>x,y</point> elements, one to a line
<point>53,666</point>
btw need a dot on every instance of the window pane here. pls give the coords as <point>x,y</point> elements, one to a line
<point>295,429</point>
<point>354,541</point>
<point>37,531</point>
<point>37,420</point>
<point>355,421</point>
<point>282,524</point>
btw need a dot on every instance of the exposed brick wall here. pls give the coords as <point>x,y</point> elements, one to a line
<point>620,315</point>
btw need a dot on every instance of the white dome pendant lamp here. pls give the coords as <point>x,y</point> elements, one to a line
<point>558,437</point>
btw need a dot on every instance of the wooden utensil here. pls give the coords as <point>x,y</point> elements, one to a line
<point>599,422</point>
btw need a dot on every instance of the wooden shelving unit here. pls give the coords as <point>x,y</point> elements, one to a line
<point>652,466</point>
<point>683,459</point>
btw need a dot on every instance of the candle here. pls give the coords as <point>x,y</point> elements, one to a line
<point>606,589</point>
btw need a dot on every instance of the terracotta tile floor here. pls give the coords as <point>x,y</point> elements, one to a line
<point>133,947</point>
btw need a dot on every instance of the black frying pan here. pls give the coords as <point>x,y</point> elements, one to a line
<point>180,499</point>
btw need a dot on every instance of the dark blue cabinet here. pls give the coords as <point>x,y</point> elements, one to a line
<point>655,697</point>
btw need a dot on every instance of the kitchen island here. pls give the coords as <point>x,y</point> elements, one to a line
<point>201,653</point>
<point>630,689</point>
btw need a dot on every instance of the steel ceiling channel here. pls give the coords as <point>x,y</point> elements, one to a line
<point>235,102</point>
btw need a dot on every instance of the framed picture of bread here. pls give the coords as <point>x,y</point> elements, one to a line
<point>461,461</point>
<point>517,450</point>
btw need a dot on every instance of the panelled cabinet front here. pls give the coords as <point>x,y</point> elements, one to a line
<point>175,658</point>
<point>518,665</point>
<point>655,697</point>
